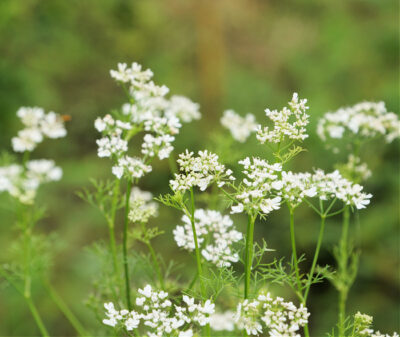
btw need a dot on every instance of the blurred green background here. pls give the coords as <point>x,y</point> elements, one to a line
<point>241,54</point>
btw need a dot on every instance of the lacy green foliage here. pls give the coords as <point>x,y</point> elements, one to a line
<point>144,233</point>
<point>344,281</point>
<point>104,196</point>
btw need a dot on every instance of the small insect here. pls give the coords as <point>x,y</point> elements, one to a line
<point>66,118</point>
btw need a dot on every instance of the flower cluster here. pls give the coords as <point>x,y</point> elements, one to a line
<point>158,316</point>
<point>199,171</point>
<point>354,169</point>
<point>240,127</point>
<point>365,120</point>
<point>280,318</point>
<point>149,111</point>
<point>38,125</point>
<point>283,126</point>
<point>141,206</point>
<point>223,321</point>
<point>333,185</point>
<point>362,327</point>
<point>258,190</point>
<point>266,185</point>
<point>22,182</point>
<point>216,231</point>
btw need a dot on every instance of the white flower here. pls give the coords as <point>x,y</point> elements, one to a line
<point>30,117</point>
<point>240,127</point>
<point>268,205</point>
<point>188,333</point>
<point>354,170</point>
<point>183,108</point>
<point>38,125</point>
<point>280,318</point>
<point>365,120</point>
<point>199,171</point>
<point>158,317</point>
<point>109,146</point>
<point>22,183</point>
<point>258,191</point>
<point>130,167</point>
<point>282,126</point>
<point>52,126</point>
<point>219,231</point>
<point>223,321</point>
<point>26,140</point>
<point>239,208</point>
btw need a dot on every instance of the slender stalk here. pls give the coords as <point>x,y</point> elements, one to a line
<point>196,245</point>
<point>27,259</point>
<point>343,263</point>
<point>65,309</point>
<point>31,305</point>
<point>249,254</point>
<point>295,260</point>
<point>156,265</point>
<point>314,263</point>
<point>37,317</point>
<point>125,244</point>
<point>198,256</point>
<point>111,226</point>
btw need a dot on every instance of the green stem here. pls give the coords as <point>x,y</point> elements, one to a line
<point>65,309</point>
<point>29,301</point>
<point>198,256</point>
<point>125,244</point>
<point>342,266</point>
<point>314,263</point>
<point>37,317</point>
<point>27,259</point>
<point>156,265</point>
<point>196,245</point>
<point>294,252</point>
<point>249,254</point>
<point>111,226</point>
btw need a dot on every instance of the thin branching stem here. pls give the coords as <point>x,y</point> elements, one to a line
<point>37,317</point>
<point>156,265</point>
<point>65,309</point>
<point>294,252</point>
<point>343,263</point>
<point>249,254</point>
<point>315,259</point>
<point>198,256</point>
<point>196,244</point>
<point>125,244</point>
<point>111,226</point>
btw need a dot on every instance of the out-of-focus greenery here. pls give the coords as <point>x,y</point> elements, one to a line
<point>241,54</point>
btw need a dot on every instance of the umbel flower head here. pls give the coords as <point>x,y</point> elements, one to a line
<point>271,315</point>
<point>265,186</point>
<point>240,127</point>
<point>158,316</point>
<point>22,181</point>
<point>362,326</point>
<point>216,230</point>
<point>257,192</point>
<point>364,120</point>
<point>149,111</point>
<point>199,171</point>
<point>141,206</point>
<point>38,125</point>
<point>288,123</point>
